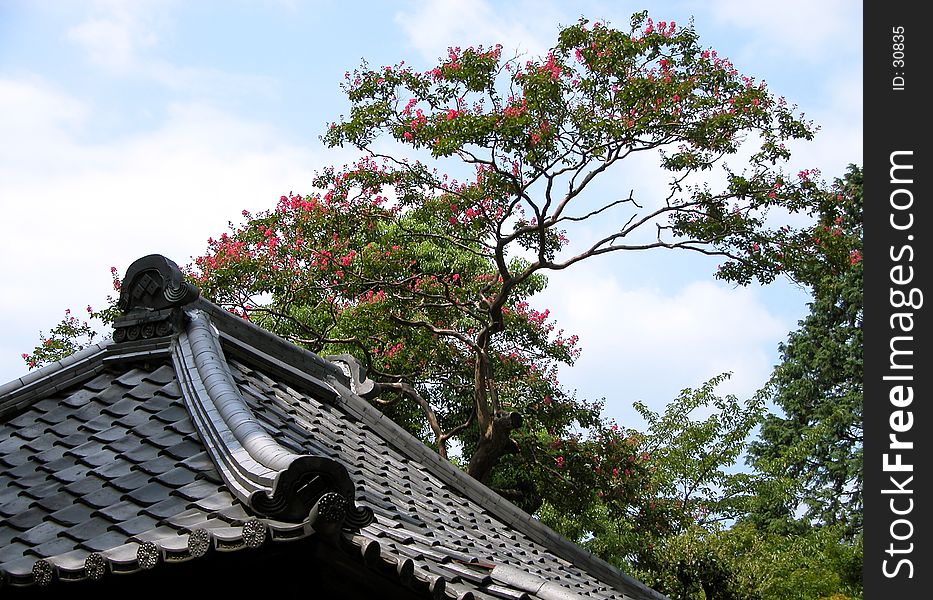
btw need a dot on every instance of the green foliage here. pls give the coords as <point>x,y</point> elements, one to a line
<point>690,452</point>
<point>818,563</point>
<point>72,334</point>
<point>817,441</point>
<point>745,563</point>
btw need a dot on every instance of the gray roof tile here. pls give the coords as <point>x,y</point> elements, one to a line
<point>126,442</point>
<point>131,481</point>
<point>89,529</point>
<point>15,506</point>
<point>216,502</point>
<point>176,477</point>
<point>121,511</point>
<point>13,551</point>
<point>105,541</point>
<point>137,525</point>
<point>55,502</point>
<point>72,515</point>
<point>166,508</point>
<point>28,518</point>
<point>40,533</point>
<point>149,494</point>
<point>103,496</point>
<point>159,466</point>
<point>84,486</point>
<point>142,453</point>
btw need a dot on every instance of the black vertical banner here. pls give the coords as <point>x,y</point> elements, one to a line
<point>898,420</point>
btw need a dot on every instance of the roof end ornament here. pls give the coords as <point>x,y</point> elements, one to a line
<point>152,295</point>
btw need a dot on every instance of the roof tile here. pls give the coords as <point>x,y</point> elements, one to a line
<point>13,551</point>
<point>215,502</point>
<point>132,378</point>
<point>135,419</point>
<point>55,502</point>
<point>79,398</point>
<point>149,494</point>
<point>110,435</point>
<point>150,428</point>
<point>27,519</point>
<point>64,428</point>
<point>105,541</point>
<point>40,533</point>
<point>166,508</point>
<point>112,470</point>
<point>143,390</point>
<point>131,481</point>
<point>72,515</point>
<point>163,375</point>
<point>15,506</point>
<point>40,491</point>
<point>172,414</point>
<point>85,486</point>
<point>65,470</point>
<point>119,512</point>
<point>183,449</point>
<point>137,525</point>
<point>142,453</point>
<point>197,490</point>
<point>160,400</point>
<point>89,529</point>
<point>121,407</point>
<point>159,465</point>
<point>125,443</point>
<point>176,477</point>
<point>29,478</point>
<point>99,383</point>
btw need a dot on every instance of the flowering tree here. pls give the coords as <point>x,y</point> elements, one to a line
<point>537,134</point>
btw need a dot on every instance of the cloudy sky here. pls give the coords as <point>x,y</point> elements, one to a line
<point>140,126</point>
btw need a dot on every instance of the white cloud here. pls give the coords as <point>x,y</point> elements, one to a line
<point>648,344</point>
<point>435,25</point>
<point>114,37</point>
<point>807,30</point>
<point>74,209</point>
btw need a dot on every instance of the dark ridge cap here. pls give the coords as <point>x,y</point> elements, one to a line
<point>269,478</point>
<point>269,343</point>
<point>271,365</point>
<point>32,386</point>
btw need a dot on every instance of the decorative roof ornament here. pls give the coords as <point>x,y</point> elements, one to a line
<point>151,296</point>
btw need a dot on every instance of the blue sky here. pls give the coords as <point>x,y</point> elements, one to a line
<point>133,127</point>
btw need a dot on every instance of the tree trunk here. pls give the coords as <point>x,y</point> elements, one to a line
<point>495,443</point>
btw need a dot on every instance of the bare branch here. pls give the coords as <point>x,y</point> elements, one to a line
<point>410,392</point>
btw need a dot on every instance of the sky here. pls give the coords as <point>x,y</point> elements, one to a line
<point>145,126</point>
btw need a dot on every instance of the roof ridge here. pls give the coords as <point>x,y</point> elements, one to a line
<point>71,369</point>
<point>269,478</point>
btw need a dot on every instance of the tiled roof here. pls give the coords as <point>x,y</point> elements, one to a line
<point>221,436</point>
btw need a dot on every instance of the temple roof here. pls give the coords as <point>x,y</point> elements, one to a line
<point>193,432</point>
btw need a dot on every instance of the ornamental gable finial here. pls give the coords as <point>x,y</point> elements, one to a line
<point>151,296</point>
